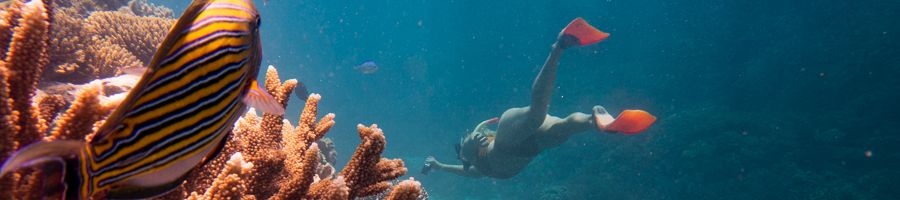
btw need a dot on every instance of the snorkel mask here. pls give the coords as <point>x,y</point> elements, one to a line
<point>459,155</point>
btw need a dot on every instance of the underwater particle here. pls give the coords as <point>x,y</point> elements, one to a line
<point>868,153</point>
<point>419,23</point>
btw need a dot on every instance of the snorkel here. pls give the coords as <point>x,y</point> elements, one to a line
<point>474,145</point>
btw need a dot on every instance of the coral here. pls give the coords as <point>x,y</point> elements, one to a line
<point>50,106</point>
<point>108,59</point>
<point>229,183</point>
<point>139,35</point>
<point>98,43</point>
<point>408,189</point>
<point>367,173</point>
<point>293,160</point>
<point>66,47</point>
<point>265,158</point>
<point>25,62</point>
<point>79,119</point>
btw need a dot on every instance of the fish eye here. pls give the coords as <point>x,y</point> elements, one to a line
<point>258,21</point>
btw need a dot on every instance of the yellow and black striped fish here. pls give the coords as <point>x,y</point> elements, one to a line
<point>180,113</point>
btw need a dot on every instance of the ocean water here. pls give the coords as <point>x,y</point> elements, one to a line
<point>755,99</point>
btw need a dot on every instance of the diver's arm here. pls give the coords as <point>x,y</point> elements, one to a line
<point>460,170</point>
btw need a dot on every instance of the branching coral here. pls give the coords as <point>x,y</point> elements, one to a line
<point>103,43</point>
<point>408,189</point>
<point>228,184</point>
<point>25,62</point>
<point>291,158</point>
<point>139,35</point>
<point>368,173</point>
<point>265,158</point>
<point>21,121</point>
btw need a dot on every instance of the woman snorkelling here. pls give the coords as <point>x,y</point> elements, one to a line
<point>523,133</point>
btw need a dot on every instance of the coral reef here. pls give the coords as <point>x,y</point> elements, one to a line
<point>291,157</point>
<point>99,42</point>
<point>86,49</point>
<point>26,30</point>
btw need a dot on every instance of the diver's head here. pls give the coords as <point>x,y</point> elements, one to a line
<point>468,147</point>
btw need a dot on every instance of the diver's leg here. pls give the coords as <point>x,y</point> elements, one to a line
<point>556,131</point>
<point>518,124</point>
<point>542,89</point>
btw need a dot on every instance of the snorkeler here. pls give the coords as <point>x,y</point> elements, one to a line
<point>523,133</point>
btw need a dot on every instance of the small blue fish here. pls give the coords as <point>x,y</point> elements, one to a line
<point>368,67</point>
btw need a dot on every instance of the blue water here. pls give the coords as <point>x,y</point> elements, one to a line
<point>756,99</point>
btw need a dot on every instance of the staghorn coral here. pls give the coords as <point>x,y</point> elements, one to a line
<point>229,183</point>
<point>66,47</point>
<point>367,173</point>
<point>295,159</point>
<point>292,158</point>
<point>139,35</point>
<point>108,59</point>
<point>50,106</point>
<point>99,43</point>
<point>25,62</point>
<point>25,30</point>
<point>9,21</point>
<point>408,189</point>
<point>78,121</point>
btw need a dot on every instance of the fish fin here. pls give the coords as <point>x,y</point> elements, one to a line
<point>260,99</point>
<point>117,116</point>
<point>183,22</point>
<point>579,32</point>
<point>631,122</point>
<point>41,152</point>
<point>146,192</point>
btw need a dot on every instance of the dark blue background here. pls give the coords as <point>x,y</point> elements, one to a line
<point>756,99</point>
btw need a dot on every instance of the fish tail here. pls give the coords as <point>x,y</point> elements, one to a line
<point>57,160</point>
<point>580,33</point>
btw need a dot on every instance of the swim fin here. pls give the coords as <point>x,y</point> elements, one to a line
<point>579,32</point>
<point>631,122</point>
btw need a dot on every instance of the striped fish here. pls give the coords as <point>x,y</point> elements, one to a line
<point>178,116</point>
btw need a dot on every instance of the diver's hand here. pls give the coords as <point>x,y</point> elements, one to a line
<point>482,140</point>
<point>430,164</point>
<point>430,160</point>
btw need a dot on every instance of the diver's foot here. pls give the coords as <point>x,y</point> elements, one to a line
<point>602,119</point>
<point>579,33</point>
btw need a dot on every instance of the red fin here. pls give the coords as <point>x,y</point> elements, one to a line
<point>584,32</point>
<point>260,99</point>
<point>632,122</point>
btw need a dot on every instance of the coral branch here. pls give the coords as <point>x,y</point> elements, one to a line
<point>25,61</point>
<point>229,183</point>
<point>367,173</point>
<point>406,190</point>
<point>79,120</point>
